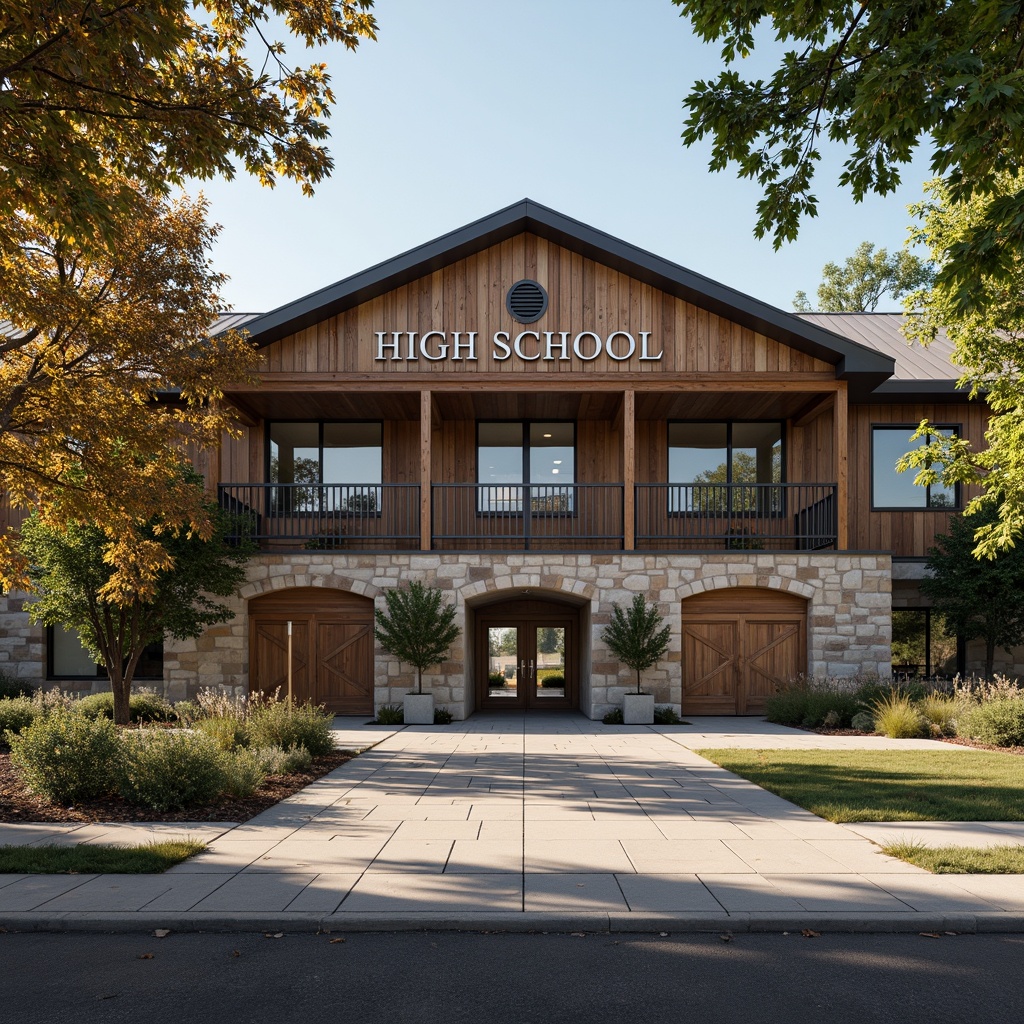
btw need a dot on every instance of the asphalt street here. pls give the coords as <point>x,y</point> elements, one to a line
<point>423,978</point>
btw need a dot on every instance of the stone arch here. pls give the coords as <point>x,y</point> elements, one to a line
<point>785,584</point>
<point>541,583</point>
<point>293,581</point>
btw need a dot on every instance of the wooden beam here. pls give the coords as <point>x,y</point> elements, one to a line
<point>426,405</point>
<point>629,469</point>
<point>811,410</point>
<point>841,435</point>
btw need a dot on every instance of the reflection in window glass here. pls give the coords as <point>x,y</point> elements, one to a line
<point>70,660</point>
<point>502,661</point>
<point>890,489</point>
<point>923,645</point>
<point>544,452</point>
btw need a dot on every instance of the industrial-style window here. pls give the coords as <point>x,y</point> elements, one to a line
<point>924,645</point>
<point>68,659</point>
<point>325,466</point>
<point>892,490</point>
<point>724,468</point>
<point>515,457</point>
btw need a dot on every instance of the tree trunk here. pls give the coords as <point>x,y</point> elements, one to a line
<point>990,659</point>
<point>121,688</point>
<point>419,679</point>
<point>638,680</point>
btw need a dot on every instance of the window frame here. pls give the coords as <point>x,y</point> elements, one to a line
<point>961,644</point>
<point>957,505</point>
<point>526,481</point>
<point>726,513</point>
<point>368,514</point>
<point>52,676</point>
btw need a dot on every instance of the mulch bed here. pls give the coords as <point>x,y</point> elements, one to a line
<point>955,740</point>
<point>18,805</point>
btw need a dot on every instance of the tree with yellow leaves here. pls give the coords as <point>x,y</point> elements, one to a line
<point>107,373</point>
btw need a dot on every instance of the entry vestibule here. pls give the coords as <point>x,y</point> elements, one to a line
<point>527,656</point>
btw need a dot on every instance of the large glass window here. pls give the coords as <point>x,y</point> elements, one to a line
<point>68,659</point>
<point>890,489</point>
<point>343,460</point>
<point>923,644</point>
<point>516,457</point>
<point>708,460</point>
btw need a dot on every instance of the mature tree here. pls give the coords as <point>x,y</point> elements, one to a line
<point>980,600</point>
<point>71,576</point>
<point>879,79</point>
<point>859,284</point>
<point>634,638</point>
<point>97,93</point>
<point>989,343</point>
<point>417,628</point>
<point>107,372</point>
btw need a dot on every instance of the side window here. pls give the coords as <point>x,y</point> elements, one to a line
<point>892,490</point>
<point>68,659</point>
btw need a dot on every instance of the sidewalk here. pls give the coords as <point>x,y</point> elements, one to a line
<point>517,822</point>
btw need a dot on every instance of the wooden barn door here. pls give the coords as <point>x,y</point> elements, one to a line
<point>739,646</point>
<point>332,647</point>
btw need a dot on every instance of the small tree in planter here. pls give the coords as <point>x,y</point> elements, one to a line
<point>635,639</point>
<point>418,628</point>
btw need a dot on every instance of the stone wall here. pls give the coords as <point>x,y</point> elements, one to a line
<point>848,611</point>
<point>22,645</point>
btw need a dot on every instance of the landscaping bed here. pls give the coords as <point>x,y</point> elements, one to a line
<point>17,804</point>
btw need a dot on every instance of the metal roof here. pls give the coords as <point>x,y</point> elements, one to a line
<point>224,322</point>
<point>864,367</point>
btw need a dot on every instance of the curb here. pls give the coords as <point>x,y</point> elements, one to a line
<point>742,923</point>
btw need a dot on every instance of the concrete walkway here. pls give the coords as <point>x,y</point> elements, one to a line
<point>546,822</point>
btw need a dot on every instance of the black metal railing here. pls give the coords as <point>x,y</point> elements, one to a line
<point>328,516</point>
<point>527,516</point>
<point>736,516</point>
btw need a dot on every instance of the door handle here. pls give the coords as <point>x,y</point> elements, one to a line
<point>522,668</point>
<point>531,668</point>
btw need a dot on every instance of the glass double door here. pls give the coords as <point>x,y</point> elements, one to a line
<point>528,663</point>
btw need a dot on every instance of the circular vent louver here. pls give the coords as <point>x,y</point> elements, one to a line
<point>526,301</point>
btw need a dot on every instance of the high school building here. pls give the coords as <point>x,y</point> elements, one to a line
<point>544,421</point>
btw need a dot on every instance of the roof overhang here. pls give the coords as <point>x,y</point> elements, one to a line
<point>864,368</point>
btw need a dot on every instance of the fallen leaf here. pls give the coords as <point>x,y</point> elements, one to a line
<point>950,933</point>
<point>929,935</point>
<point>144,956</point>
<point>663,934</point>
<point>162,933</point>
<point>579,935</point>
<point>333,941</point>
<point>810,933</point>
<point>275,935</point>
<point>726,937</point>
<point>235,952</point>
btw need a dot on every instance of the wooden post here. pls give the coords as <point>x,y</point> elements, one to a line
<point>426,406</point>
<point>841,440</point>
<point>289,661</point>
<point>629,469</point>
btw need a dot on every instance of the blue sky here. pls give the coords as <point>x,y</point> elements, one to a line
<point>464,106</point>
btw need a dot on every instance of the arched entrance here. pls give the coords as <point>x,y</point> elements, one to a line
<point>527,655</point>
<point>739,645</point>
<point>332,647</point>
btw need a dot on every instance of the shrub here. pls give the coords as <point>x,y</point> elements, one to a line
<point>442,716</point>
<point>16,713</point>
<point>666,715</point>
<point>244,772</point>
<point>276,761</point>
<point>553,681</point>
<point>897,717</point>
<point>614,717</point>
<point>809,703</point>
<point>283,723</point>
<point>941,712</point>
<point>66,757</point>
<point>999,722</point>
<point>227,733</point>
<point>864,721</point>
<point>171,769</point>
<point>143,706</point>
<point>390,714</point>
<point>14,687</point>
<point>496,679</point>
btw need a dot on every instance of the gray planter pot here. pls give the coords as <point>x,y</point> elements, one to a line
<point>419,708</point>
<point>637,709</point>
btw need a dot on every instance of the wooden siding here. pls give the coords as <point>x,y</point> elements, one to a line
<point>584,295</point>
<point>905,533</point>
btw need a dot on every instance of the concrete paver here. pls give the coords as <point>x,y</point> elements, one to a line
<point>550,818</point>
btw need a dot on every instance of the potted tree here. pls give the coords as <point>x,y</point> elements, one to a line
<point>634,638</point>
<point>417,628</point>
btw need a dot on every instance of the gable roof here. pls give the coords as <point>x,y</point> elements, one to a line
<point>864,367</point>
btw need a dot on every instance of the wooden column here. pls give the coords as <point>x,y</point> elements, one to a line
<point>426,406</point>
<point>841,439</point>
<point>629,469</point>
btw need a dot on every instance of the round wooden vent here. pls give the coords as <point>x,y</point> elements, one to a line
<point>526,301</point>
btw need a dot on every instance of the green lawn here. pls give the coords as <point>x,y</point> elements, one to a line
<point>887,785</point>
<point>149,858</point>
<point>961,860</point>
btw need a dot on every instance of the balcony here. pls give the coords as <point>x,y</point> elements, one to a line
<point>535,517</point>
